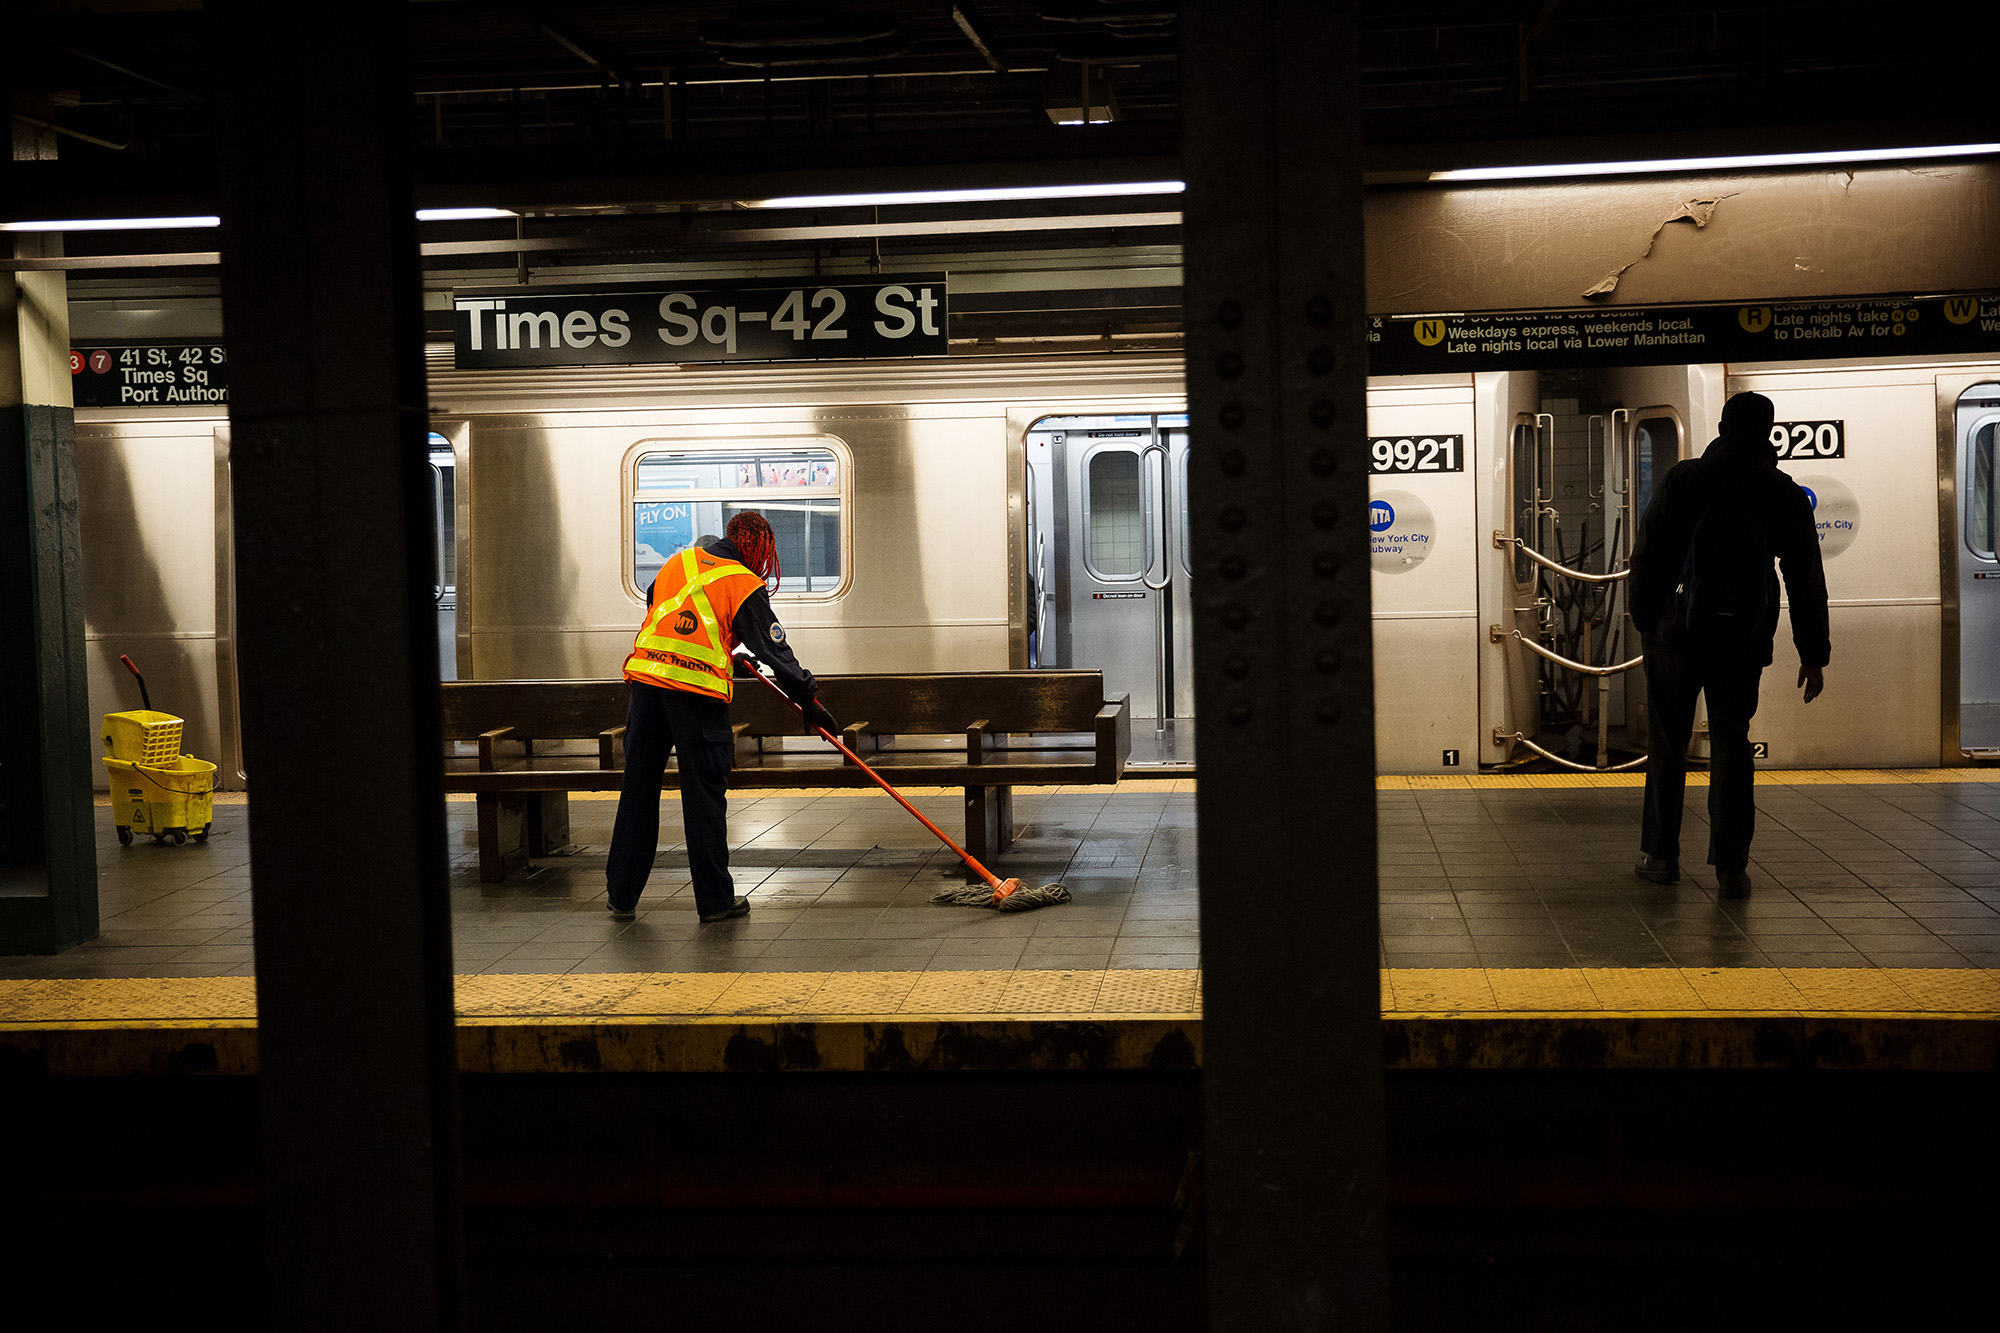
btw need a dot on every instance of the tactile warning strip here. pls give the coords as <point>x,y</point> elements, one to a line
<point>1406,993</point>
<point>1181,786</point>
<point>1434,1018</point>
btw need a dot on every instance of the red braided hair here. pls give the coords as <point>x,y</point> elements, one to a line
<point>752,536</point>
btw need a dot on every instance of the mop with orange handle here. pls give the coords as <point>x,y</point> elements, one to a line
<point>1007,895</point>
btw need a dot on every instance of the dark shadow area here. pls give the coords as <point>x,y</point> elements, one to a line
<point>1534,1200</point>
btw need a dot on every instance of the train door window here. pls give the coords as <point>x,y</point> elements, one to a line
<point>444,500</point>
<point>1979,491</point>
<point>1181,517</point>
<point>1114,517</point>
<point>1526,504</point>
<point>1656,448</point>
<point>685,494</point>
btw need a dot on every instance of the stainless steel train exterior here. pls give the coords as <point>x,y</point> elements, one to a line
<point>942,510</point>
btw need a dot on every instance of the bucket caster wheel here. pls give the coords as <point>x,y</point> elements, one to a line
<point>203,835</point>
<point>124,837</point>
<point>177,838</point>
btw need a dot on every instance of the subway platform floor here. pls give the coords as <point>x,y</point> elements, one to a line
<point>1854,870</point>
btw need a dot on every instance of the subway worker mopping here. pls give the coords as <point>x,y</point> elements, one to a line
<point>705,601</point>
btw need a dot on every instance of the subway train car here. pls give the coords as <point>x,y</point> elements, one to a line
<point>975,514</point>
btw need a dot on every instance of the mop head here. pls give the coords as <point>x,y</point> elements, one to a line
<point>1011,896</point>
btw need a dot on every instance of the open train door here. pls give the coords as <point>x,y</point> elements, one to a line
<point>1509,504</point>
<point>1663,414</point>
<point>1970,513</point>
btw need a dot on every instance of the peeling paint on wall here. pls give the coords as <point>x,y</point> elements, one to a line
<point>1697,211</point>
<point>1786,236</point>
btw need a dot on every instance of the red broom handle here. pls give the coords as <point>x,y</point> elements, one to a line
<point>883,783</point>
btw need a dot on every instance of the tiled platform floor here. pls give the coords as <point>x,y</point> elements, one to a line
<point>1853,870</point>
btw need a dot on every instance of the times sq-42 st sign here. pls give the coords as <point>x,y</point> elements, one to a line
<point>777,321</point>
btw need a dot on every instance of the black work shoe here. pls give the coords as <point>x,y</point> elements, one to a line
<point>1657,870</point>
<point>1733,883</point>
<point>621,913</point>
<point>740,908</point>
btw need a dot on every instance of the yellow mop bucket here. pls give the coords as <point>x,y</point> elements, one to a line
<point>172,801</point>
<point>142,736</point>
<point>154,787</point>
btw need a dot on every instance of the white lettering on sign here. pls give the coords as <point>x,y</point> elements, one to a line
<point>1809,439</point>
<point>1417,453</point>
<point>1401,532</point>
<point>718,326</point>
<point>532,323</point>
<point>703,321</point>
<point>905,319</point>
<point>680,327</point>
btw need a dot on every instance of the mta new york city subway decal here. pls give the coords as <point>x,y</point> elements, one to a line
<point>810,320</point>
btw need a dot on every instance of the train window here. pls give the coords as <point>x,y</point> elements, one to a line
<point>1979,489</point>
<point>1181,513</point>
<point>1114,518</point>
<point>1657,447</point>
<point>444,500</point>
<point>685,495</point>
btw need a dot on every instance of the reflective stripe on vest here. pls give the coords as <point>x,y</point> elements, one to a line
<point>681,662</point>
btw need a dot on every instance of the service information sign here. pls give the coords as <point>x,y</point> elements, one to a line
<point>702,321</point>
<point>154,374</point>
<point>1673,335</point>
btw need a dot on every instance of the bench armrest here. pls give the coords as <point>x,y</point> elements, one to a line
<point>610,748</point>
<point>850,736</point>
<point>487,739</point>
<point>1114,737</point>
<point>975,741</point>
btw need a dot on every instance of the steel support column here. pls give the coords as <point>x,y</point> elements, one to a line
<point>1283,675</point>
<point>48,842</point>
<point>339,669</point>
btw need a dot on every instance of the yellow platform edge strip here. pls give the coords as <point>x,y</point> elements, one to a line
<point>1053,994</point>
<point>1908,1019</point>
<point>1181,785</point>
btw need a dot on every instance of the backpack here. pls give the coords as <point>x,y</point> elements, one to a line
<point>1724,589</point>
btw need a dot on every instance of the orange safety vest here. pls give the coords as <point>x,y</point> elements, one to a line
<point>686,640</point>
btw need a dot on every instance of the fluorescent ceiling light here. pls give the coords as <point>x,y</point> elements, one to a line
<point>170,224</point>
<point>1714,163</point>
<point>112,224</point>
<point>972,196</point>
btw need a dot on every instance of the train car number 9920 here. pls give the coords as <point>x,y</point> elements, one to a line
<point>1809,439</point>
<point>1416,453</point>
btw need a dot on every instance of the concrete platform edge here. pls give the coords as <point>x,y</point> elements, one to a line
<point>1956,1043</point>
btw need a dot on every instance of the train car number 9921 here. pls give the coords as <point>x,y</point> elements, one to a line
<point>1416,453</point>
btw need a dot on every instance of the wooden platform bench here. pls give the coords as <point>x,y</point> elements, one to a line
<point>521,746</point>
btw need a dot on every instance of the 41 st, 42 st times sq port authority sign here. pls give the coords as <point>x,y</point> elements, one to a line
<point>809,320</point>
<point>1939,325</point>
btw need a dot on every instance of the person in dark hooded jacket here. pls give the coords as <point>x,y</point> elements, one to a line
<point>1730,509</point>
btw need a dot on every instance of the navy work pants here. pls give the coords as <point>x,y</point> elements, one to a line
<point>1675,674</point>
<point>659,722</point>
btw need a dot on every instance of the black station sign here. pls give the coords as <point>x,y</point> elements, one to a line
<point>1798,441</point>
<point>793,320</point>
<point>153,374</point>
<point>1674,335</point>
